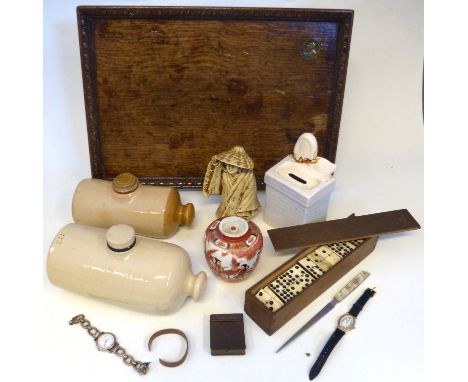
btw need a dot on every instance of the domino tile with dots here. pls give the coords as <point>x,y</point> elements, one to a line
<point>268,297</point>
<point>291,283</point>
<point>302,274</point>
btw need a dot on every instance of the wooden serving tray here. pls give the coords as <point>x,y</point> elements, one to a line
<point>167,88</point>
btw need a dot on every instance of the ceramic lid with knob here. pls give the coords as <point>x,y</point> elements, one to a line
<point>120,237</point>
<point>125,183</point>
<point>306,148</point>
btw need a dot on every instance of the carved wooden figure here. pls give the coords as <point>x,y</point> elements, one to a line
<point>230,174</point>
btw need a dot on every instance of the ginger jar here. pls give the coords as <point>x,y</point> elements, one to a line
<point>232,247</point>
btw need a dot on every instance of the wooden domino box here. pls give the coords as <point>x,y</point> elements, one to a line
<point>282,294</point>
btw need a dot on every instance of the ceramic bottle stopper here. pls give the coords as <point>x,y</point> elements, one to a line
<point>152,210</point>
<point>230,174</point>
<point>232,247</point>
<point>119,267</point>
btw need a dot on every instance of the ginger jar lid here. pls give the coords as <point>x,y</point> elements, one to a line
<point>306,148</point>
<point>120,237</point>
<point>233,227</point>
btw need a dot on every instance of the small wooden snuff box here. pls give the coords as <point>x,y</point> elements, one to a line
<point>227,334</point>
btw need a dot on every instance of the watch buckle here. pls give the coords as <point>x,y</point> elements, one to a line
<point>76,319</point>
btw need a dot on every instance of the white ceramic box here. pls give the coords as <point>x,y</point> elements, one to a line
<point>298,188</point>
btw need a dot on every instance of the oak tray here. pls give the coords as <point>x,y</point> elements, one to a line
<point>167,88</point>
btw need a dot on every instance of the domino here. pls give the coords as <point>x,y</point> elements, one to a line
<point>352,244</point>
<point>341,249</point>
<point>263,295</point>
<point>355,243</point>
<point>291,283</point>
<point>324,251</point>
<point>328,255</point>
<point>310,266</point>
<point>269,299</point>
<point>274,304</point>
<point>320,262</point>
<point>333,259</point>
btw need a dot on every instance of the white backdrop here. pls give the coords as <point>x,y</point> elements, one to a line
<point>380,167</point>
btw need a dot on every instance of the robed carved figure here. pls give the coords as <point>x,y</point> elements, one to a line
<point>230,174</point>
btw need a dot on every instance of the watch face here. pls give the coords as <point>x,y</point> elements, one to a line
<point>346,322</point>
<point>105,341</point>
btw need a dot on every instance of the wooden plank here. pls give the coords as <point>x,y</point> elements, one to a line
<point>354,227</point>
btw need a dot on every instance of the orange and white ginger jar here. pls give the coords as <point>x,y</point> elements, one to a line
<point>232,247</point>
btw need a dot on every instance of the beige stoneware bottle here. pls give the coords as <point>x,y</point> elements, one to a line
<point>117,266</point>
<point>151,210</point>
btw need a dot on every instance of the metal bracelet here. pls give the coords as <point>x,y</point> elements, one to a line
<point>85,324</point>
<point>140,367</point>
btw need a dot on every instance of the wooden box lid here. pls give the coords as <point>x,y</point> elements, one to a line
<point>167,88</point>
<point>351,228</point>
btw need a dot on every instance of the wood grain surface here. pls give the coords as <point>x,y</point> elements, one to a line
<point>354,227</point>
<point>167,88</point>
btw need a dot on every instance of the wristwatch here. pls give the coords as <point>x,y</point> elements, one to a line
<point>345,324</point>
<point>106,341</point>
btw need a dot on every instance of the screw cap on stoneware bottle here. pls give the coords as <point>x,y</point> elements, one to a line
<point>125,183</point>
<point>120,237</point>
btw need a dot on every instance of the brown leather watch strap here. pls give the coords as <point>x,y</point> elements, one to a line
<point>170,331</point>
